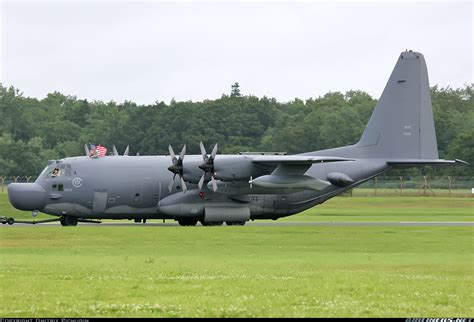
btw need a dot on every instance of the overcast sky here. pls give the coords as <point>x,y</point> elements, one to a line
<point>157,50</point>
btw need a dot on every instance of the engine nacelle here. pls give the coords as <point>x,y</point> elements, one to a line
<point>235,168</point>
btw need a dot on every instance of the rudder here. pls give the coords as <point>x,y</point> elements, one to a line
<point>402,124</point>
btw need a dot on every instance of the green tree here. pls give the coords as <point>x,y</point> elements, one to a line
<point>235,92</point>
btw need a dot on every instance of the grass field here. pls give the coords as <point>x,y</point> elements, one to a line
<point>249,271</point>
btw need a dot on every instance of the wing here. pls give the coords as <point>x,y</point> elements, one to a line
<point>293,164</point>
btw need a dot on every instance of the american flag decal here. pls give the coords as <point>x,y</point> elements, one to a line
<point>97,151</point>
<point>101,151</point>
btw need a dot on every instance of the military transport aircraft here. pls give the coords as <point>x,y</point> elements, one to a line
<point>213,188</point>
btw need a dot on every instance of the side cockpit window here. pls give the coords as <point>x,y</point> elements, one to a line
<point>55,172</point>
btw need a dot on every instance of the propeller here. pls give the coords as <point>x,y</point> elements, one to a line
<point>115,150</point>
<point>86,149</point>
<point>208,166</point>
<point>177,167</point>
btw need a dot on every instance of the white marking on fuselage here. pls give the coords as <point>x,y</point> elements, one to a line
<point>77,182</point>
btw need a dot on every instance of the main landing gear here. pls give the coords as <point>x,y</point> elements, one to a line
<point>68,221</point>
<point>193,222</point>
<point>214,223</point>
<point>235,223</point>
<point>187,222</point>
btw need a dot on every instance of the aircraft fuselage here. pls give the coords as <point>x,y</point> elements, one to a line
<point>136,187</point>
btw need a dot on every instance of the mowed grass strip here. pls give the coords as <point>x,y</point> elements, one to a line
<point>311,271</point>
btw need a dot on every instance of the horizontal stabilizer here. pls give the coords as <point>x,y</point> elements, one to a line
<point>416,162</point>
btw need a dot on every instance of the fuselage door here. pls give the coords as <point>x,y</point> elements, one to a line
<point>100,202</point>
<point>270,201</point>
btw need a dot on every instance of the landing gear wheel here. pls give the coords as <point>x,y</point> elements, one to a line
<point>10,221</point>
<point>187,222</point>
<point>235,223</point>
<point>68,221</point>
<point>214,223</point>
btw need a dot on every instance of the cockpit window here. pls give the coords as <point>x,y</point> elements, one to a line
<point>55,172</point>
<point>68,170</point>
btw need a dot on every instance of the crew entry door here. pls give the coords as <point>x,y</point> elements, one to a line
<point>100,202</point>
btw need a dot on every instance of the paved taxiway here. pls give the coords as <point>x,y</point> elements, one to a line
<point>260,223</point>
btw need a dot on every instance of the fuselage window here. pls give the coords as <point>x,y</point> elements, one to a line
<point>68,170</point>
<point>54,187</point>
<point>60,187</point>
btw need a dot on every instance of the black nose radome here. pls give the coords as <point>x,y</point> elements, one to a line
<point>27,196</point>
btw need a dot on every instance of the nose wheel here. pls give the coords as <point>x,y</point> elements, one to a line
<point>68,221</point>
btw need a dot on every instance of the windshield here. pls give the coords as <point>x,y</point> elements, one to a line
<point>46,172</point>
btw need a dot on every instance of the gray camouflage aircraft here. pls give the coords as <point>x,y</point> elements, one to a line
<point>213,188</point>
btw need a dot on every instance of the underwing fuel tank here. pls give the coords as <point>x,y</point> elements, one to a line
<point>339,179</point>
<point>289,182</point>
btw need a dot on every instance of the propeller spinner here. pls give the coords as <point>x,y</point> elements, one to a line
<point>177,167</point>
<point>208,166</point>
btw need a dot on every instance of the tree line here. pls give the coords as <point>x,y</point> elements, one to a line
<point>33,130</point>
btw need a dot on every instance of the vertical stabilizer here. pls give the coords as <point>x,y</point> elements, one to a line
<point>402,124</point>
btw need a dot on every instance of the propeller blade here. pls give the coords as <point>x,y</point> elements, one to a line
<point>183,185</point>
<point>126,151</point>
<point>183,152</point>
<point>251,182</point>
<point>203,152</point>
<point>170,185</point>
<point>214,152</point>
<point>214,184</point>
<point>203,149</point>
<point>86,149</point>
<point>173,156</point>
<point>114,149</point>
<point>201,181</point>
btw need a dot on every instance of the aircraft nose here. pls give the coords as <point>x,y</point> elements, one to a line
<point>27,196</point>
